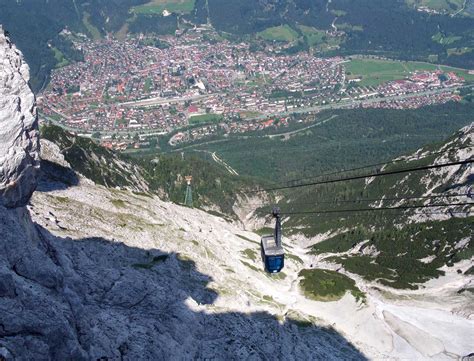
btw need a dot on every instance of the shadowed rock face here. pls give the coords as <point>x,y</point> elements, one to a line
<point>19,136</point>
<point>98,299</point>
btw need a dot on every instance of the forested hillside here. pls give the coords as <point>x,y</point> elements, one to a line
<point>387,28</point>
<point>350,138</point>
<point>414,237</point>
<point>213,187</point>
<point>35,26</point>
<point>379,27</point>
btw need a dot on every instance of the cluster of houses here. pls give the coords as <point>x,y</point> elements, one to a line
<point>90,95</point>
<point>131,86</point>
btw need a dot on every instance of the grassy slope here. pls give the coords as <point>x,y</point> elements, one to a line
<point>282,33</point>
<point>450,6</point>
<point>325,285</point>
<point>158,6</point>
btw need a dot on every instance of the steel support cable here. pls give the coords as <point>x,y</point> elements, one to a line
<point>375,165</point>
<point>377,209</point>
<point>380,174</point>
<point>248,205</point>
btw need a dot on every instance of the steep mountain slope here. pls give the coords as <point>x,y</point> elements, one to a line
<point>169,262</point>
<point>447,181</point>
<point>95,162</point>
<point>90,272</point>
<point>401,248</point>
<point>378,27</point>
<point>19,142</point>
<point>214,188</point>
<point>99,256</point>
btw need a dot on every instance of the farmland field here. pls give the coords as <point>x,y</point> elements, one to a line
<point>279,33</point>
<point>94,32</point>
<point>439,5</point>
<point>313,36</point>
<point>158,6</point>
<point>205,118</point>
<point>375,72</point>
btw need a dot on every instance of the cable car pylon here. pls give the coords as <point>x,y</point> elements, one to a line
<point>188,198</point>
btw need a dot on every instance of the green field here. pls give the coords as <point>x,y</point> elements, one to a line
<point>283,33</point>
<point>325,285</point>
<point>148,85</point>
<point>445,40</point>
<point>158,6</point>
<point>374,72</point>
<point>459,51</point>
<point>449,6</point>
<point>59,56</point>
<point>205,118</point>
<point>91,28</point>
<point>312,35</point>
<point>249,114</point>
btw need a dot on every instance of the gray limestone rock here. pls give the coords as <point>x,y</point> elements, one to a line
<point>19,136</point>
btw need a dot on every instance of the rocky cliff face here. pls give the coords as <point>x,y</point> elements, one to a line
<point>19,137</point>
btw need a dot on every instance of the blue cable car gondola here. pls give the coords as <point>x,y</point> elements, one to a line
<point>273,254</point>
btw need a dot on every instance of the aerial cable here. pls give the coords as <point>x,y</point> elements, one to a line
<point>363,200</point>
<point>379,174</point>
<point>447,212</point>
<point>328,211</point>
<point>375,165</point>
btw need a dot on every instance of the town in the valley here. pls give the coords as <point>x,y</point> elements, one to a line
<point>126,90</point>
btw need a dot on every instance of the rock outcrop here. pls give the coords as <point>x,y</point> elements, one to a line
<point>94,274</point>
<point>19,136</point>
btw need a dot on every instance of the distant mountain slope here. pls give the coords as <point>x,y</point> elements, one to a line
<point>95,162</point>
<point>35,26</point>
<point>398,248</point>
<point>445,181</point>
<point>379,27</point>
<point>213,187</point>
